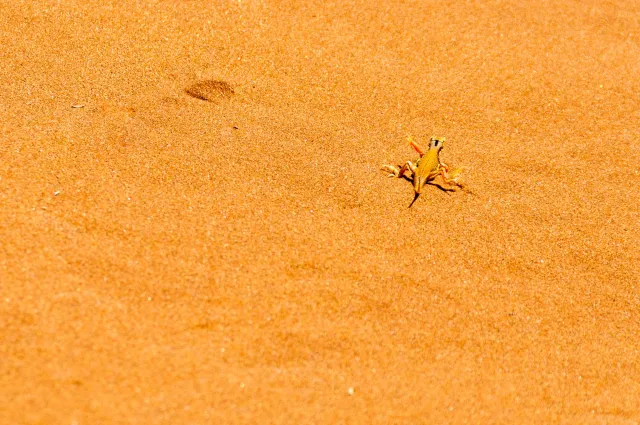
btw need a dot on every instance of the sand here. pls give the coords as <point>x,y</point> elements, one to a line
<point>195,229</point>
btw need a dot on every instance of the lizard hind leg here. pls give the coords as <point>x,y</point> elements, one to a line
<point>454,173</point>
<point>399,172</point>
<point>444,166</point>
<point>451,178</point>
<point>393,171</point>
<point>407,166</point>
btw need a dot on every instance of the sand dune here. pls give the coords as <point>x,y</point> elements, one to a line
<point>195,228</point>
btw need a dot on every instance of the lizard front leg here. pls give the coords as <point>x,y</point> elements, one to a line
<point>415,146</point>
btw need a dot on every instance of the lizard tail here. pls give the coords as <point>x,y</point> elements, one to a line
<point>415,197</point>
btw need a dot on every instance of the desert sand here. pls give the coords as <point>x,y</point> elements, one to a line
<point>195,228</point>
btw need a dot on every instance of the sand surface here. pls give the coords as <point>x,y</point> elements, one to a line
<point>194,227</point>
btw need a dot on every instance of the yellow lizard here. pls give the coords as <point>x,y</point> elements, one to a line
<point>427,168</point>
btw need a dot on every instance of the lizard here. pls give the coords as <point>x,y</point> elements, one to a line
<point>427,168</point>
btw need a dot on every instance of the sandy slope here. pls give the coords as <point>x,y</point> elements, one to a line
<point>167,259</point>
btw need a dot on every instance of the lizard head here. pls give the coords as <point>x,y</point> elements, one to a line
<point>436,143</point>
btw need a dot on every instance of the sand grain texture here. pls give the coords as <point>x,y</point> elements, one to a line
<point>166,260</point>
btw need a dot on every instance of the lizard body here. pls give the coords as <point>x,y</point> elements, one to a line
<point>426,168</point>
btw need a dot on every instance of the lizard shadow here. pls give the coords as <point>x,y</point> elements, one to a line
<point>431,183</point>
<point>442,188</point>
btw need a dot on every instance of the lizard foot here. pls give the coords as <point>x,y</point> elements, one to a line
<point>393,171</point>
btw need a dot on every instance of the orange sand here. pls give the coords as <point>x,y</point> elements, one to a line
<point>242,259</point>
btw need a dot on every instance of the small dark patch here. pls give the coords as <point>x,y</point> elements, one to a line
<point>210,90</point>
<point>205,326</point>
<point>170,100</point>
